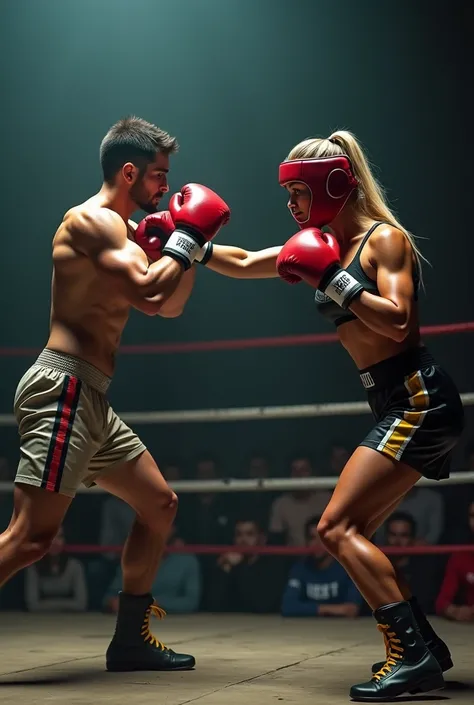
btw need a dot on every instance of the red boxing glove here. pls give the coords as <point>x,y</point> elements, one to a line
<point>153,232</point>
<point>313,256</point>
<point>198,214</point>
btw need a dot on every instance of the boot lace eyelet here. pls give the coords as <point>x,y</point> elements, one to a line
<point>393,651</point>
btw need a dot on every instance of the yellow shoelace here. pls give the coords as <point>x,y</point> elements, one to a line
<point>392,648</point>
<point>158,612</point>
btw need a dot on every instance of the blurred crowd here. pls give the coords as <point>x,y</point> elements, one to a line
<point>235,581</point>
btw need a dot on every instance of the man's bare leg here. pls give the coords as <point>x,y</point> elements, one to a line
<point>37,517</point>
<point>140,483</point>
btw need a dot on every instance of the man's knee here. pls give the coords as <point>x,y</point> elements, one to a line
<point>161,511</point>
<point>29,544</point>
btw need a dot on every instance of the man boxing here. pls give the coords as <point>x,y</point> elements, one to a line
<point>69,434</point>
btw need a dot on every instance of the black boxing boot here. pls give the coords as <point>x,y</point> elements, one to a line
<point>133,646</point>
<point>436,645</point>
<point>410,666</point>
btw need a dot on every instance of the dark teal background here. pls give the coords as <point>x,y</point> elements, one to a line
<point>239,82</point>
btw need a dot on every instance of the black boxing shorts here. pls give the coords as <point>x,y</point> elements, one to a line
<point>418,411</point>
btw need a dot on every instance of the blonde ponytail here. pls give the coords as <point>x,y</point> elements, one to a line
<point>371,196</point>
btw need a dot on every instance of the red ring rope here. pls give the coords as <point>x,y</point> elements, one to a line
<point>204,549</point>
<point>245,343</point>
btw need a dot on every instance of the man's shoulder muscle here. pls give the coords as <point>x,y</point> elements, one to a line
<point>92,228</point>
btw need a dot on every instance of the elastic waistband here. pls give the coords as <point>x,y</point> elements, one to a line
<point>395,369</point>
<point>75,367</point>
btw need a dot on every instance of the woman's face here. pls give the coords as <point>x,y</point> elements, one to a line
<point>299,201</point>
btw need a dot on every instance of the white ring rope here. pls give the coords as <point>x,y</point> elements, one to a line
<point>273,484</point>
<point>255,413</point>
<point>252,413</point>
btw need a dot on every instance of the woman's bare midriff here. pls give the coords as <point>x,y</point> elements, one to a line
<point>367,348</point>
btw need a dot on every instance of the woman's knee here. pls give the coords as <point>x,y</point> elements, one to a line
<point>331,531</point>
<point>334,531</point>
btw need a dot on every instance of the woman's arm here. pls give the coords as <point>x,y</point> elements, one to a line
<point>389,314</point>
<point>242,264</point>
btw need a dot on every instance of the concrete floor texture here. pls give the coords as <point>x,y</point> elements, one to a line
<point>241,659</point>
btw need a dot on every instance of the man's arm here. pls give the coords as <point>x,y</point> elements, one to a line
<point>174,306</point>
<point>102,236</point>
<point>242,264</point>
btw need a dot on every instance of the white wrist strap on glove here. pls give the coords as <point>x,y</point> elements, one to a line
<point>343,288</point>
<point>182,246</point>
<point>204,254</point>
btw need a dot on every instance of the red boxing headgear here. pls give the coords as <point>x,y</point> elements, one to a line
<point>330,182</point>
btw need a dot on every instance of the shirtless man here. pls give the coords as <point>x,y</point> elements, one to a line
<point>69,434</point>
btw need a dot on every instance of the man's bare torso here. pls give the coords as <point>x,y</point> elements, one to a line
<point>88,311</point>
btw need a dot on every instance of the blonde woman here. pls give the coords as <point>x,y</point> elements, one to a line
<point>366,270</point>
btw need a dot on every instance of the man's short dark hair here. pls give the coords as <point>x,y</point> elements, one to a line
<point>133,140</point>
<point>251,520</point>
<point>407,518</point>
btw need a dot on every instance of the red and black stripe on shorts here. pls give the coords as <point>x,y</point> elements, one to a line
<point>62,429</point>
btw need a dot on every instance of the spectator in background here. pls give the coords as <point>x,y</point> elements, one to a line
<point>56,583</point>
<point>245,583</point>
<point>426,507</point>
<point>177,586</point>
<point>456,597</point>
<point>258,467</point>
<point>207,517</point>
<point>291,511</point>
<point>318,586</point>
<point>339,454</point>
<point>257,504</point>
<point>421,572</point>
<point>171,471</point>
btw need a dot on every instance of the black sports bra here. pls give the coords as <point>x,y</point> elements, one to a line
<point>331,310</point>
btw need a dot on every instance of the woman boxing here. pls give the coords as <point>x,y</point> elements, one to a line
<point>366,271</point>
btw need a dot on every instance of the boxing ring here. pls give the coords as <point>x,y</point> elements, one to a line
<point>261,659</point>
<point>256,659</point>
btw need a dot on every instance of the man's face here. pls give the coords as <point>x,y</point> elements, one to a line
<point>247,534</point>
<point>151,184</point>
<point>171,473</point>
<point>339,457</point>
<point>399,534</point>
<point>206,470</point>
<point>258,467</point>
<point>301,467</point>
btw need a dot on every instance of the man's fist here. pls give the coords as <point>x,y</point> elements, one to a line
<point>153,232</point>
<point>198,214</point>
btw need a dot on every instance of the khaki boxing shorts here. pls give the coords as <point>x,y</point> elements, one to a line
<point>69,433</point>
